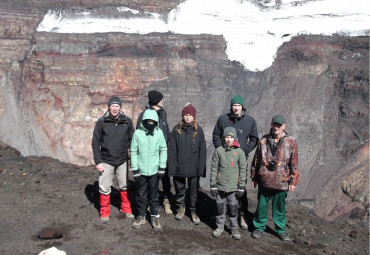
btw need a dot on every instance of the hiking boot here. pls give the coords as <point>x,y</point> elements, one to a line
<point>180,213</point>
<point>235,234</point>
<point>284,237</point>
<point>140,220</point>
<point>167,206</point>
<point>155,224</point>
<point>104,220</point>
<point>217,232</point>
<point>257,234</point>
<point>243,224</point>
<point>124,215</point>
<point>195,218</point>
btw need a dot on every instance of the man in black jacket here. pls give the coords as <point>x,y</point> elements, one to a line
<point>110,144</point>
<point>246,129</point>
<point>155,102</point>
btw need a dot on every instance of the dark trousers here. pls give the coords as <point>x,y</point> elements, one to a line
<point>243,205</point>
<point>147,186</point>
<point>180,187</point>
<point>166,185</point>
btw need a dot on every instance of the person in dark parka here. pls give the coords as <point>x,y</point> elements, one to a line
<point>187,157</point>
<point>246,129</point>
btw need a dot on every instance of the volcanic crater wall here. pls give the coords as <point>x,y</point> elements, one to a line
<point>55,86</point>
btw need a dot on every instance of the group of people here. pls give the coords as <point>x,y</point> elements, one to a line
<point>154,153</point>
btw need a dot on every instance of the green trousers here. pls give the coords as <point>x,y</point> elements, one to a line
<point>278,209</point>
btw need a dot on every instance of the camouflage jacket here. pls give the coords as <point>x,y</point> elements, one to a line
<point>276,168</point>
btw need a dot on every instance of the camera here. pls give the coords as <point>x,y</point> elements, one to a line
<point>271,166</point>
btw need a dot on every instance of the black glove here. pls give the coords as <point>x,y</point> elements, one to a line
<point>161,172</point>
<point>136,174</point>
<point>240,191</point>
<point>213,190</point>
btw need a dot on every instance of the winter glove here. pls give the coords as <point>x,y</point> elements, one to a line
<point>240,192</point>
<point>213,190</point>
<point>161,172</point>
<point>136,174</point>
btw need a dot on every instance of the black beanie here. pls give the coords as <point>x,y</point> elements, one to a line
<point>154,97</point>
<point>114,100</point>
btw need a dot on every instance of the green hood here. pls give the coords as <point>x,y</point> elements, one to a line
<point>150,115</point>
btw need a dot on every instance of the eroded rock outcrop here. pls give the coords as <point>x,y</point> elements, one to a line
<point>347,194</point>
<point>68,80</point>
<point>322,85</point>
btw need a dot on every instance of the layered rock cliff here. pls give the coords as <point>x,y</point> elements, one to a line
<point>55,86</point>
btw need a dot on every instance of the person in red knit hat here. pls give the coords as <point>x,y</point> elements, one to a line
<point>187,155</point>
<point>110,144</point>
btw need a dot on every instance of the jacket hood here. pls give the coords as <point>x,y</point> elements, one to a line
<point>236,144</point>
<point>232,116</point>
<point>150,115</point>
<point>148,106</point>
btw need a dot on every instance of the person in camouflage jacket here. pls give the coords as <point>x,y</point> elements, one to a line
<point>275,170</point>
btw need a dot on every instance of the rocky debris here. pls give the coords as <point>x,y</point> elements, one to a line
<point>351,198</point>
<point>102,252</point>
<point>67,203</point>
<point>50,233</point>
<point>353,234</point>
<point>355,185</point>
<point>9,148</point>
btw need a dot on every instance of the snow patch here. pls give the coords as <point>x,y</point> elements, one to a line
<point>253,33</point>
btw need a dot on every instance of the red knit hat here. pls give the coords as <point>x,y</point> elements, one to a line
<point>189,109</point>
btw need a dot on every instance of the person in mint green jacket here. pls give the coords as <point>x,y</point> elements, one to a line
<point>148,162</point>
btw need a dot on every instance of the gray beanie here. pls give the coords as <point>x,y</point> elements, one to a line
<point>230,131</point>
<point>114,100</point>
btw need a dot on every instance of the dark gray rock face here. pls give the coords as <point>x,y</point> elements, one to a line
<point>55,86</point>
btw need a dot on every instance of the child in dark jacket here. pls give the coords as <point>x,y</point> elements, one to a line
<point>227,181</point>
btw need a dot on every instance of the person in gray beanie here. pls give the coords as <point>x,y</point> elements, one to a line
<point>110,145</point>
<point>155,102</point>
<point>227,181</point>
<point>246,130</point>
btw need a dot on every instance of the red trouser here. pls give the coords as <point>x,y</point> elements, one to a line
<point>104,205</point>
<point>125,201</point>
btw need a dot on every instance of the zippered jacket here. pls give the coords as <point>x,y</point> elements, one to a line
<point>285,170</point>
<point>228,168</point>
<point>187,155</point>
<point>246,129</point>
<point>111,139</point>
<point>162,120</point>
<point>148,149</point>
